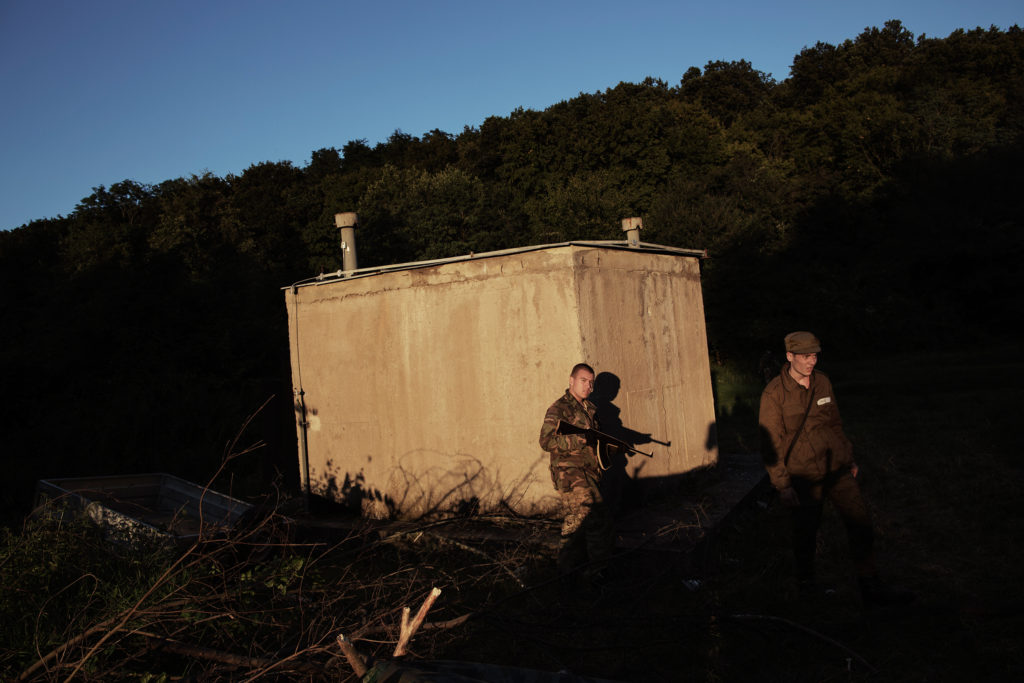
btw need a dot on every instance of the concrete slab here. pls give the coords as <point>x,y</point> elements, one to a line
<point>681,529</point>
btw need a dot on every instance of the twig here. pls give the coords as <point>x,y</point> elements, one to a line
<point>403,627</point>
<point>213,655</point>
<point>43,661</point>
<point>449,623</point>
<point>409,629</point>
<point>426,626</point>
<point>476,551</point>
<point>800,627</point>
<point>355,660</point>
<point>127,615</point>
<point>60,649</point>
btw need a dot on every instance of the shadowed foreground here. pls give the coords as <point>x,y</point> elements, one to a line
<point>940,469</point>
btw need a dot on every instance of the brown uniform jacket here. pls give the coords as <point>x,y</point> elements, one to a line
<point>821,446</point>
<point>569,450</point>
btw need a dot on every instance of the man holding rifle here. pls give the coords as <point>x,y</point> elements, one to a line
<point>576,473</point>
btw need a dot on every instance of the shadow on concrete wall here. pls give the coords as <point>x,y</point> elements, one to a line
<point>461,486</point>
<point>622,492</point>
<point>346,492</point>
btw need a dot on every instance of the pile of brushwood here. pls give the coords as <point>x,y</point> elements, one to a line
<point>265,601</point>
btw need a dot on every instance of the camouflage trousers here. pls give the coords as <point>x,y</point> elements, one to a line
<point>586,528</point>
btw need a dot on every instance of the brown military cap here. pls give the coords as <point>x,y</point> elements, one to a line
<point>802,342</point>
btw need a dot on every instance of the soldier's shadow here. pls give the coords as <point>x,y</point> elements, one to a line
<point>621,492</point>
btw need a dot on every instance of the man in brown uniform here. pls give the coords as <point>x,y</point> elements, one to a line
<point>576,474</point>
<point>809,458</point>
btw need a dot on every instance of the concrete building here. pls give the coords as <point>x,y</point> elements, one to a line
<point>421,387</point>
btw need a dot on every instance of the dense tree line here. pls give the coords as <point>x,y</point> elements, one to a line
<point>873,195</point>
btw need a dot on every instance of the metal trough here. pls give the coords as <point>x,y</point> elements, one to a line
<point>135,506</point>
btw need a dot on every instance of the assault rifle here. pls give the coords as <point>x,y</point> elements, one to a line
<point>599,437</point>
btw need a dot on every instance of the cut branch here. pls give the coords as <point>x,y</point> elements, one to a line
<point>409,629</point>
<point>355,660</point>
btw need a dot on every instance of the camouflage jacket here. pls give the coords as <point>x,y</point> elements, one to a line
<point>569,450</point>
<point>821,446</point>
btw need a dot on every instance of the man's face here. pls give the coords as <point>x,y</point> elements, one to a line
<point>802,363</point>
<point>581,384</point>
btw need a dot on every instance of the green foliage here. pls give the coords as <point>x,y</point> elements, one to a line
<point>59,576</point>
<point>108,228</point>
<point>419,215</point>
<point>727,90</point>
<point>585,206</point>
<point>189,224</point>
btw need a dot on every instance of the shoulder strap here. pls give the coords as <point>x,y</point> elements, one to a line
<point>810,402</point>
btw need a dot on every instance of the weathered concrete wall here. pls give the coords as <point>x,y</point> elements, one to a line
<point>427,387</point>
<point>642,324</point>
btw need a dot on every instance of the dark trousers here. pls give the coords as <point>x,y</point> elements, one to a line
<point>842,490</point>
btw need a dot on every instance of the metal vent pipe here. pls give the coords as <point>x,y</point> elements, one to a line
<point>631,226</point>
<point>347,222</point>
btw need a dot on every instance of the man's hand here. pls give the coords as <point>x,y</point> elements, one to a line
<point>788,497</point>
<point>575,442</point>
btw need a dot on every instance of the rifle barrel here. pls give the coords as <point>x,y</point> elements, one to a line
<point>567,428</point>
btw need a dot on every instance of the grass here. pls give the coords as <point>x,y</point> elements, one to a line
<point>937,440</point>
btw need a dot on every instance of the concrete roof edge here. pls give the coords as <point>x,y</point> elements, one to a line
<point>624,245</point>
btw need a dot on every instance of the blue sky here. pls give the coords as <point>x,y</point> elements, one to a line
<point>93,92</point>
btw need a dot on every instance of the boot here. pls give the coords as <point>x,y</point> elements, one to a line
<point>874,592</point>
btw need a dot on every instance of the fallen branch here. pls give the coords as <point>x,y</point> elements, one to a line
<point>362,633</point>
<point>221,657</point>
<point>56,652</point>
<point>355,660</point>
<point>128,614</point>
<point>450,623</point>
<point>408,630</point>
<point>800,627</point>
<point>100,627</point>
<point>476,551</point>
<point>181,648</point>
